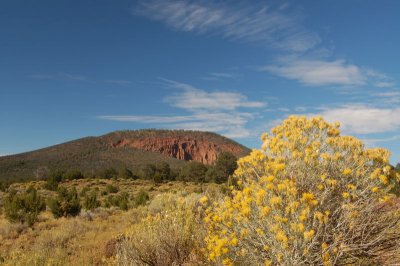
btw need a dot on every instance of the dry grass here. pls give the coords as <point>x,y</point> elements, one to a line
<point>91,237</point>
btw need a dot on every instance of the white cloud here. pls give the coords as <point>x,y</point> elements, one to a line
<point>196,99</point>
<point>248,23</point>
<point>217,111</point>
<point>318,72</point>
<point>363,119</point>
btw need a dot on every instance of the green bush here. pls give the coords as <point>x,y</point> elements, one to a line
<point>72,175</point>
<point>23,207</point>
<point>127,174</point>
<point>224,167</point>
<point>109,173</point>
<point>193,171</point>
<point>90,201</point>
<point>66,203</point>
<point>149,171</point>
<point>121,201</point>
<point>141,198</point>
<point>53,180</point>
<point>163,172</point>
<point>4,186</point>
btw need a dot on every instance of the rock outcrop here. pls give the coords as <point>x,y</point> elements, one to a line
<point>182,147</point>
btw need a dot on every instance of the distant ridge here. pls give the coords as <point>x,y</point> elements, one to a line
<point>130,148</point>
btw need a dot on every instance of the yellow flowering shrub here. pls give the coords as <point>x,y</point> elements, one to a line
<point>309,197</point>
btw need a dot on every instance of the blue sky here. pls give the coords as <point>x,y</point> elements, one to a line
<point>70,69</point>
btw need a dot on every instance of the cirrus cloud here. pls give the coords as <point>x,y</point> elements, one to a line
<point>251,23</point>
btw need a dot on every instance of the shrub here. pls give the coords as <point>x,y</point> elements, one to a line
<point>65,204</point>
<point>163,172</point>
<point>23,207</point>
<point>121,201</point>
<point>108,173</point>
<point>193,171</point>
<point>141,198</point>
<point>4,186</point>
<point>72,175</point>
<point>170,237</point>
<point>309,197</point>
<point>225,165</point>
<point>148,171</point>
<point>90,201</point>
<point>111,189</point>
<point>53,180</point>
<point>126,174</point>
<point>157,173</point>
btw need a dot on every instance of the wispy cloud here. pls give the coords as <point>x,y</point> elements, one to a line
<point>194,99</point>
<point>72,76</point>
<point>251,23</point>
<point>75,77</point>
<point>388,97</point>
<point>217,111</point>
<point>374,141</point>
<point>385,84</point>
<point>318,72</point>
<point>323,72</point>
<point>221,76</point>
<point>274,27</point>
<point>121,82</point>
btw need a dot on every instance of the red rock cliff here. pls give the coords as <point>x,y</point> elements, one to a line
<point>183,148</point>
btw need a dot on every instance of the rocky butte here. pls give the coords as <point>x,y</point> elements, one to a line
<point>203,147</point>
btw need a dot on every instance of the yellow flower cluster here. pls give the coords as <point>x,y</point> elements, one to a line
<point>287,194</point>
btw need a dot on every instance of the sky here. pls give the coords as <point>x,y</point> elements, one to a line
<point>71,69</point>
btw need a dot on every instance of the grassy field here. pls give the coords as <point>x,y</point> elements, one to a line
<point>91,237</point>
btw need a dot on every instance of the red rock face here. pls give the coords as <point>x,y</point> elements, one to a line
<point>182,148</point>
